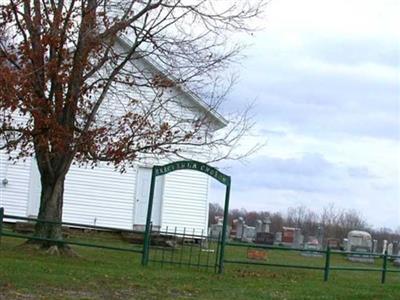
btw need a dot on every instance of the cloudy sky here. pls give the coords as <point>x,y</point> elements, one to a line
<point>326,82</point>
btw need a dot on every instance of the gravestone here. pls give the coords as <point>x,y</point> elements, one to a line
<point>244,233</point>
<point>258,226</point>
<point>333,243</point>
<point>239,228</point>
<point>215,230</point>
<point>278,237</point>
<point>396,248</point>
<point>320,234</point>
<point>375,246</point>
<point>298,239</point>
<point>288,235</point>
<point>249,234</point>
<point>265,238</point>
<point>292,237</point>
<point>265,224</point>
<point>390,249</point>
<point>396,262</point>
<point>346,246</point>
<point>384,246</point>
<point>312,244</point>
<point>360,241</point>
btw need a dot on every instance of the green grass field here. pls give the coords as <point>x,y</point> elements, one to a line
<point>107,274</point>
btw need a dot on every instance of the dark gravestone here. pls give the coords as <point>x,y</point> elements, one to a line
<point>333,243</point>
<point>264,238</point>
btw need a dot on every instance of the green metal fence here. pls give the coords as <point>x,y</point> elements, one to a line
<point>182,247</point>
<point>194,166</point>
<point>188,248</point>
<point>7,232</point>
<point>326,267</point>
<point>185,248</point>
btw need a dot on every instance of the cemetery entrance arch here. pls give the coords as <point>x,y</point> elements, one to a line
<point>195,166</point>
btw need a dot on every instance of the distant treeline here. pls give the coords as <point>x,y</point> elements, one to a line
<point>334,222</point>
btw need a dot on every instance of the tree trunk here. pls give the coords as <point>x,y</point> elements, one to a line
<point>51,204</point>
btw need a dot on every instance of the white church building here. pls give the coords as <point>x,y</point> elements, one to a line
<point>105,197</point>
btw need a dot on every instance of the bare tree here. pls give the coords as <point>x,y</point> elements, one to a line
<point>73,87</point>
<point>334,222</point>
<point>304,218</point>
<point>277,222</point>
<point>214,210</point>
<point>337,223</point>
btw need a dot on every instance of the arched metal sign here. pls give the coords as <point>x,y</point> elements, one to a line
<point>195,166</point>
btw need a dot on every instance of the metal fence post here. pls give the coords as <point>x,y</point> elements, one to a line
<point>147,233</point>
<point>1,221</point>
<point>224,231</point>
<point>384,267</point>
<point>327,263</point>
<point>216,265</point>
<point>224,226</point>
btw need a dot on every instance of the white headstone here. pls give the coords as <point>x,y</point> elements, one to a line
<point>384,247</point>
<point>259,225</point>
<point>297,239</point>
<point>346,245</point>
<point>278,237</point>
<point>249,234</point>
<point>239,228</point>
<point>265,225</point>
<point>375,246</point>
<point>390,249</point>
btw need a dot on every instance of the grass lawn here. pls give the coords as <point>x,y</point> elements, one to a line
<point>107,274</point>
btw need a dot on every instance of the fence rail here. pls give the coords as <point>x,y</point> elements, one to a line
<point>7,233</point>
<point>77,225</point>
<point>327,266</point>
<point>187,248</point>
<point>193,253</point>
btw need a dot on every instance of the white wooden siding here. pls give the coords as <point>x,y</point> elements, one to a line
<point>104,197</point>
<point>14,195</point>
<point>100,196</point>
<point>185,202</point>
<point>35,189</point>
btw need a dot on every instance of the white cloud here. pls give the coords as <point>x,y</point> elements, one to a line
<point>366,71</point>
<point>345,17</point>
<point>326,78</point>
